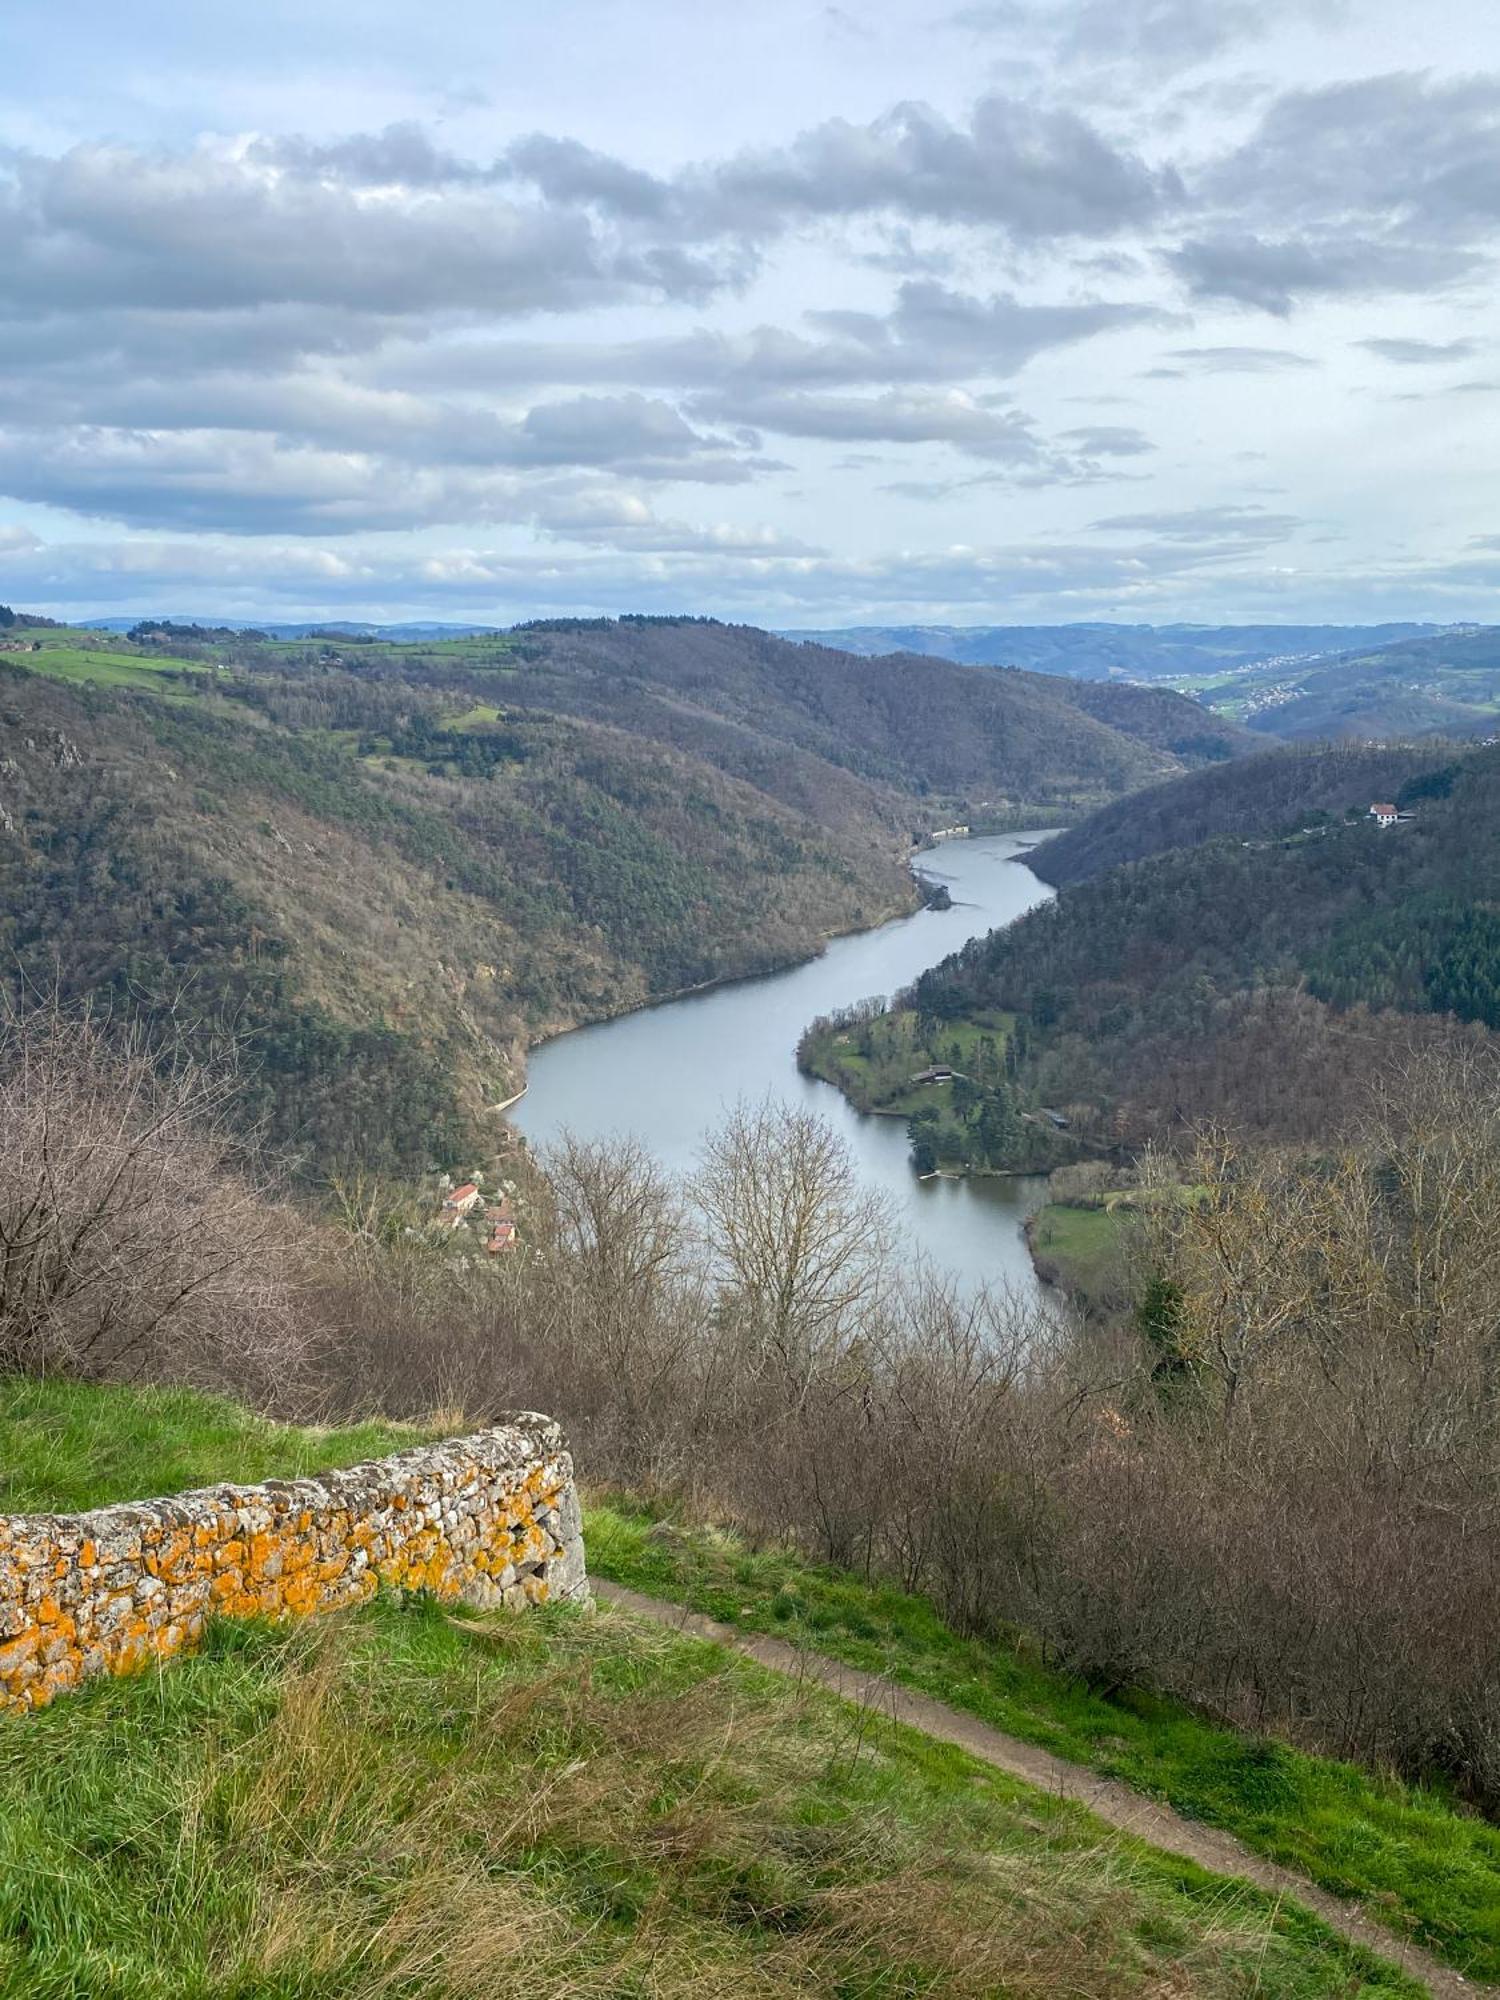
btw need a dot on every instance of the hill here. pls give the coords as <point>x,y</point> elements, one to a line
<point>1275,792</point>
<point>779,714</point>
<point>1250,980</point>
<point>455,1803</point>
<point>1163,720</point>
<point>386,921</point>
<point>389,868</point>
<point>1442,681</point>
<point>1175,654</point>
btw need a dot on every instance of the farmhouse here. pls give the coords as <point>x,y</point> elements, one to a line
<point>1384,815</point>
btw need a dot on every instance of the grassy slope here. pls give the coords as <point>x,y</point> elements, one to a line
<point>400,1801</point>
<point>1416,1861</point>
<point>1081,1250</point>
<point>68,1446</point>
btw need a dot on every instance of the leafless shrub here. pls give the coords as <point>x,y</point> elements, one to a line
<point>132,1239</point>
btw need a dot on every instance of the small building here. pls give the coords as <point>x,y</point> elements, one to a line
<point>1384,815</point>
<point>938,1073</point>
<point>1055,1119</point>
<point>501,1237</point>
<point>462,1199</point>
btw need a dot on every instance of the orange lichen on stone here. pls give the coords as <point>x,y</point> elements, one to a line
<point>492,1518</point>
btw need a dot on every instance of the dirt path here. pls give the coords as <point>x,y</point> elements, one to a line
<point>1147,1819</point>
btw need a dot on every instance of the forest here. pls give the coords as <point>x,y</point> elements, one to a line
<point>1250,979</point>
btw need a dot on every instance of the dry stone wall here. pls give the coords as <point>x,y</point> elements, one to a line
<point>491,1519</point>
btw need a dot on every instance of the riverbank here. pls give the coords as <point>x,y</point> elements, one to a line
<point>667,1073</point>
<point>774,967</point>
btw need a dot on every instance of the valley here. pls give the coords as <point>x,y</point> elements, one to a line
<point>386,870</point>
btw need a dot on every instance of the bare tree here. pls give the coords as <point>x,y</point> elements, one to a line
<point>799,1240</point>
<point>130,1241</point>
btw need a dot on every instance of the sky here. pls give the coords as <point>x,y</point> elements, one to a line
<point>1014,311</point>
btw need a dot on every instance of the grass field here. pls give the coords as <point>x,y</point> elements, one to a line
<point>1080,1249</point>
<point>67,1446</point>
<point>1078,1234</point>
<point>1418,1862</point>
<point>401,1801</point>
<point>77,664</point>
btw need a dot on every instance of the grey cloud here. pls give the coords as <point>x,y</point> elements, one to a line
<point>107,227</point>
<point>1241,360</point>
<point>1108,440</point>
<point>1173,34</point>
<point>899,416</point>
<point>1379,184</point>
<point>1274,273</point>
<point>932,334</point>
<point>636,434</point>
<point>251,483</point>
<point>1420,353</point>
<point>1033,170</point>
<point>1226,524</point>
<point>564,170</point>
<point>403,155</point>
<point>1400,146</point>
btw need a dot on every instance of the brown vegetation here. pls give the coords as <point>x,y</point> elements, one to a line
<point>1273,1493</point>
<point>132,1237</point>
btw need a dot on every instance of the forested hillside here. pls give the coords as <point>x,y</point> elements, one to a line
<point>1251,980</point>
<point>777,714</point>
<point>1163,720</point>
<point>385,922</point>
<point>1276,792</point>
<point>1166,653</point>
<point>387,868</point>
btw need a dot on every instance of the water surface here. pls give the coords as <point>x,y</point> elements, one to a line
<point>668,1073</point>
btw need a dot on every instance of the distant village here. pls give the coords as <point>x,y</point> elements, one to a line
<point>489,1218</point>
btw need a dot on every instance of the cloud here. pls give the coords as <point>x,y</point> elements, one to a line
<point>211,231</point>
<point>1108,440</point>
<point>1034,170</point>
<point>1241,360</point>
<point>251,482</point>
<point>1420,353</point>
<point>1382,184</point>
<point>899,416</point>
<point>932,334</point>
<point>1160,35</point>
<point>1275,274</point>
<point>1225,525</point>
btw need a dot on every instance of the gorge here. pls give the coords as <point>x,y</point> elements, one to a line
<point>665,1074</point>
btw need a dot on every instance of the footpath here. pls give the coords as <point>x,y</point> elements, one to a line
<point>1145,1819</point>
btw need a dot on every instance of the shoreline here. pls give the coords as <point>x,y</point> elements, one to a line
<point>790,964</point>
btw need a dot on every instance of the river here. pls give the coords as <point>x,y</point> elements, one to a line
<point>667,1073</point>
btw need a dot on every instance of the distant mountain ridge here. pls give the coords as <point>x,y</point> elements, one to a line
<point>1103,651</point>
